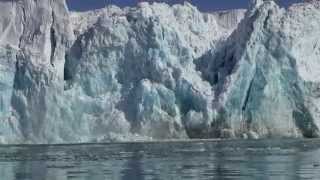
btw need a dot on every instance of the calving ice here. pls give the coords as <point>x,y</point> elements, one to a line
<point>157,72</point>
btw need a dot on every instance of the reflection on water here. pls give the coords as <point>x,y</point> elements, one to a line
<point>262,159</point>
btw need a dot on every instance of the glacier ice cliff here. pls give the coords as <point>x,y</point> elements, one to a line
<point>157,72</point>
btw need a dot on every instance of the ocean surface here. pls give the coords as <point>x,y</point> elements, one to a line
<point>229,159</point>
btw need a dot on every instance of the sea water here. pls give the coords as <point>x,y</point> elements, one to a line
<point>199,159</point>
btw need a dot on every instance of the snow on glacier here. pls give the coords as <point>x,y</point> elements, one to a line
<point>157,72</point>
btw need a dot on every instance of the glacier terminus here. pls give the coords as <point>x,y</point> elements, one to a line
<point>155,72</point>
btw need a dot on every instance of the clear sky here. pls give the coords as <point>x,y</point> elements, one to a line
<point>203,5</point>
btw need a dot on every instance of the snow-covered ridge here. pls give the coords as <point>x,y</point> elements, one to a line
<point>157,72</point>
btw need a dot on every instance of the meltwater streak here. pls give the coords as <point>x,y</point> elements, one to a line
<point>254,159</point>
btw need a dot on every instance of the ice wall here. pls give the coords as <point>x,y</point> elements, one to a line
<point>157,72</point>
<point>260,78</point>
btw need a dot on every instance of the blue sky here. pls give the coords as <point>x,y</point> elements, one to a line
<point>203,5</point>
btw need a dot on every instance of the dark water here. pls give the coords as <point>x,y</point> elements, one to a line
<point>262,159</point>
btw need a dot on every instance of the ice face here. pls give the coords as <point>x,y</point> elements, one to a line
<point>157,72</point>
<point>144,58</point>
<point>257,79</point>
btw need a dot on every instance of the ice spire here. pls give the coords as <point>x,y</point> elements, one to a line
<point>255,3</point>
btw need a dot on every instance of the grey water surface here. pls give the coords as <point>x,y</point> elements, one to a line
<point>237,159</point>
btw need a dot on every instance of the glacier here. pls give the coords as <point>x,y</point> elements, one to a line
<point>155,72</point>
